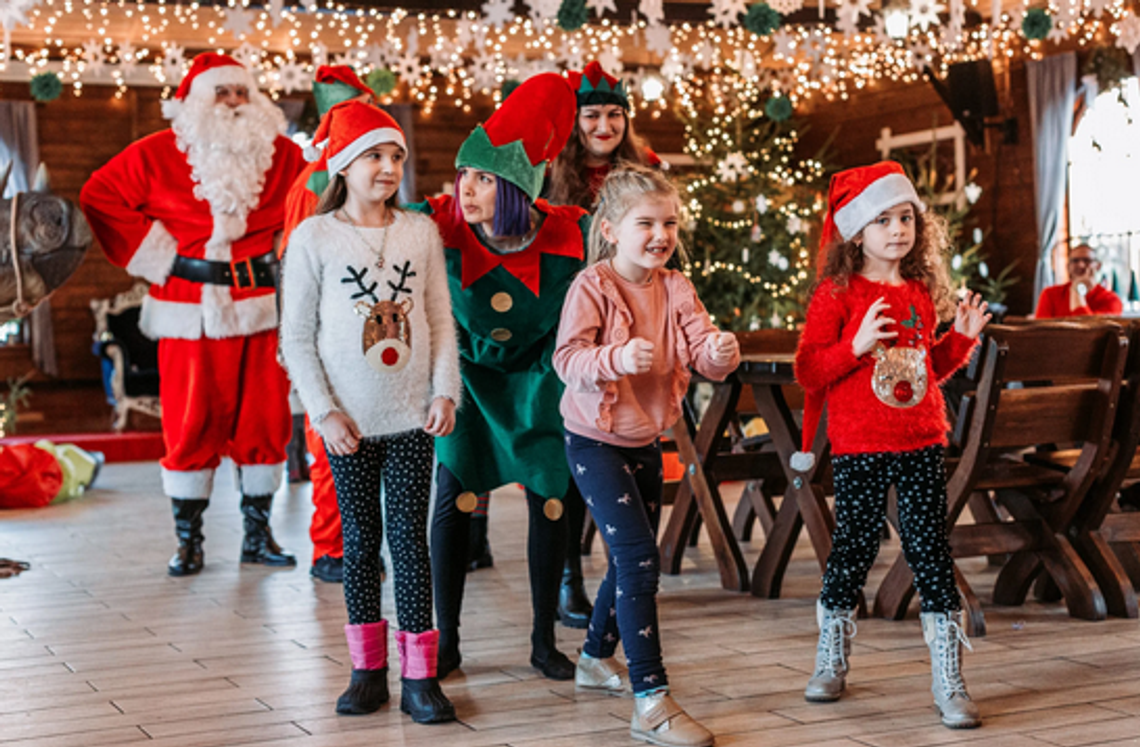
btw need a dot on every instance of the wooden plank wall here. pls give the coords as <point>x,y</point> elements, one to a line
<point>1005,172</point>
<point>79,134</point>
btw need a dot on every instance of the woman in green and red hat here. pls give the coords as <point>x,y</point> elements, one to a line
<point>510,259</point>
<point>603,137</point>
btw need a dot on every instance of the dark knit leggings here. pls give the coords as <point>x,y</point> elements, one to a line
<point>450,540</point>
<point>861,484</point>
<point>403,463</point>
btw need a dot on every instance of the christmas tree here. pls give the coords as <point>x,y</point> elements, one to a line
<point>750,206</point>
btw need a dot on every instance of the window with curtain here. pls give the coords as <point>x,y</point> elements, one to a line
<point>1104,207</point>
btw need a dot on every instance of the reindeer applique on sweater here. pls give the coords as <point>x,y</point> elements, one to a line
<point>387,335</point>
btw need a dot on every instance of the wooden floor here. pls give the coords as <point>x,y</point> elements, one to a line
<point>98,646</point>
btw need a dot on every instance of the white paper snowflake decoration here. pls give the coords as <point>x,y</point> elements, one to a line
<point>653,10</point>
<point>543,10</point>
<point>785,7</point>
<point>733,168</point>
<point>924,13</point>
<point>291,77</point>
<point>498,13</point>
<point>407,67</point>
<point>847,22</point>
<point>658,39</point>
<point>484,70</point>
<point>238,23</point>
<point>172,63</point>
<point>94,56</point>
<point>249,55</point>
<point>761,204</point>
<point>795,224</point>
<point>1099,6</point>
<point>128,58</point>
<point>570,55</point>
<point>727,13</point>
<point>784,44</point>
<point>601,6</point>
<point>610,60</point>
<point>275,9</point>
<point>1128,33</point>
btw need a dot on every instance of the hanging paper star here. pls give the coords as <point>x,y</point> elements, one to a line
<point>275,8</point>
<point>14,13</point>
<point>238,23</point>
<point>498,13</point>
<point>923,13</point>
<point>658,39</point>
<point>653,10</point>
<point>733,168</point>
<point>727,12</point>
<point>291,77</point>
<point>601,6</point>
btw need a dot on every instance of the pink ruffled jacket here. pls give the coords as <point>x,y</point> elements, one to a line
<point>601,314</point>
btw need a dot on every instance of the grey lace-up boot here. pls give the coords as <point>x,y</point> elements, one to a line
<point>945,637</point>
<point>836,629</point>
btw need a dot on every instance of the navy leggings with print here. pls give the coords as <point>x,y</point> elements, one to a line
<point>861,484</point>
<point>622,489</point>
<point>404,462</point>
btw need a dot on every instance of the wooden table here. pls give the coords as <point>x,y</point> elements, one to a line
<point>707,463</point>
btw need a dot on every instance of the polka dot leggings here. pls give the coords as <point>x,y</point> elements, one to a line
<point>404,461</point>
<point>861,484</point>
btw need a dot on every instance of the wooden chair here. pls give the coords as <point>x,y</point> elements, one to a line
<point>1068,379</point>
<point>131,359</point>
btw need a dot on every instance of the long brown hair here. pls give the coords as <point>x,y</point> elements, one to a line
<point>336,193</point>
<point>925,262</point>
<point>568,185</point>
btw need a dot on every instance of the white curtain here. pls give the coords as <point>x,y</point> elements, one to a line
<point>19,144</point>
<point>1052,93</point>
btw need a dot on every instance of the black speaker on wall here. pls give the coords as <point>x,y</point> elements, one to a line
<point>970,93</point>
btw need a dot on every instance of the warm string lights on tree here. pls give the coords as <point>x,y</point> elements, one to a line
<point>750,205</point>
<point>452,57</point>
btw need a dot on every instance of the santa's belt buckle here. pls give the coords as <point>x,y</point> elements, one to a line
<point>237,267</point>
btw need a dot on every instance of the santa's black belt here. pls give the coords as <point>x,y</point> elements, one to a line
<point>253,272</point>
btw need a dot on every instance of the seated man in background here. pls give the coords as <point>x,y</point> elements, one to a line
<point>1081,296</point>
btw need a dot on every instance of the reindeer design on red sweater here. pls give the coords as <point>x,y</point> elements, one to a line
<point>899,378</point>
<point>387,336</point>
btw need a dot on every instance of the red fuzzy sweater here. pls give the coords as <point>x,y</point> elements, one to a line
<point>857,422</point>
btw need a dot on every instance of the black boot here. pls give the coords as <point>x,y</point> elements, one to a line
<point>258,545</point>
<point>188,527</point>
<point>574,608</point>
<point>449,658</point>
<point>367,691</point>
<point>425,702</point>
<point>547,659</point>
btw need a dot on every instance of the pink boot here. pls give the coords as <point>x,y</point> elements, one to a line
<point>368,690</point>
<point>421,697</point>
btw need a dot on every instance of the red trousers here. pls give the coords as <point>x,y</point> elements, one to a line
<point>324,529</point>
<point>226,397</point>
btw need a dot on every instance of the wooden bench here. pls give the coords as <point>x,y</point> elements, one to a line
<point>1066,381</point>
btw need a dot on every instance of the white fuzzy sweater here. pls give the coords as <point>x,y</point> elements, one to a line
<point>329,268</point>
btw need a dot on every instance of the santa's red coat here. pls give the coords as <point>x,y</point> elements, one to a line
<point>142,208</point>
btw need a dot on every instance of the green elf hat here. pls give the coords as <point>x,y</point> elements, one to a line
<point>595,86</point>
<point>334,84</point>
<point>524,134</point>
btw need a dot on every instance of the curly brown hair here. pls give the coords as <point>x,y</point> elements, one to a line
<point>925,262</point>
<point>567,183</point>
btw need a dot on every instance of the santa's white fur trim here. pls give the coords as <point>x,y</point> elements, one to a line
<point>216,317</point>
<point>259,479</point>
<point>196,484</point>
<point>170,108</point>
<point>802,461</point>
<point>313,151</point>
<point>370,139</point>
<point>882,194</point>
<point>154,257</point>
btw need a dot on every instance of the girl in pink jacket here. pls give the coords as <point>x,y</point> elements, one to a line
<point>630,330</point>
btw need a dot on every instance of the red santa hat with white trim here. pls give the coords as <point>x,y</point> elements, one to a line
<point>349,129</point>
<point>854,199</point>
<point>208,71</point>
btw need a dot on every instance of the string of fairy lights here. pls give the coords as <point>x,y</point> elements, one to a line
<point>451,58</point>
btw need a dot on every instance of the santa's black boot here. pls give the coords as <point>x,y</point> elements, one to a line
<point>259,545</point>
<point>188,558</point>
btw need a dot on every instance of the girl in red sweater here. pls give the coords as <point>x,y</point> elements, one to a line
<point>869,350</point>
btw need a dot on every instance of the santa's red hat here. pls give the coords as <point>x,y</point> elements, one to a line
<point>857,196</point>
<point>208,71</point>
<point>336,83</point>
<point>524,134</point>
<point>349,129</point>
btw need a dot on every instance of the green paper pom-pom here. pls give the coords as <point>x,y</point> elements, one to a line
<point>572,15</point>
<point>46,87</point>
<point>778,108</point>
<point>1037,23</point>
<point>382,81</point>
<point>762,19</point>
<point>509,87</point>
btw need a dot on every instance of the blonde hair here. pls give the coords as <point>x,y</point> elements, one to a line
<point>620,192</point>
<point>925,262</point>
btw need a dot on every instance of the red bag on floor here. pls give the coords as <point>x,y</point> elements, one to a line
<point>29,476</point>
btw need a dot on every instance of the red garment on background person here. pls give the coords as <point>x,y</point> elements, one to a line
<point>1054,302</point>
<point>30,477</point>
<point>324,528</point>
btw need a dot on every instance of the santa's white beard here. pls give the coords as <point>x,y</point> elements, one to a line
<point>229,151</point>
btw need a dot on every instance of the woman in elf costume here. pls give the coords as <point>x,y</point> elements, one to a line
<point>510,259</point>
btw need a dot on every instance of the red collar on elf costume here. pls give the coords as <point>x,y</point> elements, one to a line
<point>208,71</point>
<point>855,198</point>
<point>349,129</point>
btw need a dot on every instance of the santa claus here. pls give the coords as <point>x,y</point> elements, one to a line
<point>196,210</point>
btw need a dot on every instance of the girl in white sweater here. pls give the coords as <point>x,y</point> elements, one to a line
<point>368,338</point>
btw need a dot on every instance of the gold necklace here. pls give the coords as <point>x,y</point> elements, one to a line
<point>383,238</point>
